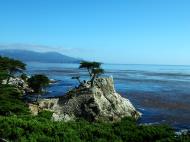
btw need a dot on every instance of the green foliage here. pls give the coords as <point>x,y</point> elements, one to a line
<point>132,132</point>
<point>38,83</point>
<point>24,76</point>
<point>97,71</point>
<point>10,101</point>
<point>3,75</point>
<point>89,65</point>
<point>34,129</point>
<point>9,67</point>
<point>94,69</point>
<point>45,114</point>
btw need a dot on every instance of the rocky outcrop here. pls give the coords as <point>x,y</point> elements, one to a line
<point>19,83</point>
<point>100,102</point>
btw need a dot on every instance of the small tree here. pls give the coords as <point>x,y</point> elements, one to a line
<point>38,83</point>
<point>94,69</point>
<point>11,66</point>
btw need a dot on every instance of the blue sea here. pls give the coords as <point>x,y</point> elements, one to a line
<point>160,92</point>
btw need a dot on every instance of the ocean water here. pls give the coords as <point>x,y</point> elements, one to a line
<point>161,93</point>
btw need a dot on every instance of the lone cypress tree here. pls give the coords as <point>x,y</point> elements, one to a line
<point>90,66</point>
<point>94,69</point>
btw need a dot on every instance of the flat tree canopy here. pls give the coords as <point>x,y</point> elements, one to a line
<point>38,83</point>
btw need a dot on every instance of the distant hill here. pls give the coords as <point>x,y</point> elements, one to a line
<point>32,56</point>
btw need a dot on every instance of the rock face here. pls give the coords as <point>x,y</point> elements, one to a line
<point>19,83</point>
<point>101,102</point>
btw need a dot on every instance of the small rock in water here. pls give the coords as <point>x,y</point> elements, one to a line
<point>53,81</point>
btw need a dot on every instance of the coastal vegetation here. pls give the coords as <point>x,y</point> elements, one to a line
<point>10,67</point>
<point>41,129</point>
<point>38,84</point>
<point>11,102</point>
<point>18,124</point>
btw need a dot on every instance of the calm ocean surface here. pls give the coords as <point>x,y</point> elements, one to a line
<point>160,92</point>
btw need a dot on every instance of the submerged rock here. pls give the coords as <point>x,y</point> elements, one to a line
<point>100,102</point>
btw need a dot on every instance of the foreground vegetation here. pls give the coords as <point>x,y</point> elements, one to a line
<point>11,102</point>
<point>17,124</point>
<point>42,129</point>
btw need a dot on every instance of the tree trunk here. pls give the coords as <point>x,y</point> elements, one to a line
<point>92,80</point>
<point>89,72</point>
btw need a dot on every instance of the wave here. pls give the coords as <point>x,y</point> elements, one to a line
<point>148,73</point>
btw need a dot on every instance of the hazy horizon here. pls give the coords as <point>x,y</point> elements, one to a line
<point>109,31</point>
<point>108,63</point>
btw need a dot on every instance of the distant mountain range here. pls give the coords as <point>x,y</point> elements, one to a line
<point>32,56</point>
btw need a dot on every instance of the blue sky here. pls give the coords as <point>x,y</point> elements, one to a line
<point>113,31</point>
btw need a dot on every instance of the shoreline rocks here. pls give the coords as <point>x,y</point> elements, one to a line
<point>19,83</point>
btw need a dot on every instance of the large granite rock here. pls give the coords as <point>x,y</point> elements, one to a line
<point>101,102</point>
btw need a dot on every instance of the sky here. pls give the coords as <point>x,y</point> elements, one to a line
<point>111,31</point>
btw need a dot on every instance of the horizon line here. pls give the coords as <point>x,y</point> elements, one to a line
<point>108,63</point>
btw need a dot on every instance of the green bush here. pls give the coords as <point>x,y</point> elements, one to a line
<point>24,76</point>
<point>45,114</point>
<point>29,128</point>
<point>10,101</point>
<point>38,83</point>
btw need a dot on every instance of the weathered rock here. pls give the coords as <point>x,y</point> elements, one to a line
<point>33,108</point>
<point>183,132</point>
<point>101,102</point>
<point>19,83</point>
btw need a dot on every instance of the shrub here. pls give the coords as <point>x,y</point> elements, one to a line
<point>38,83</point>
<point>30,128</point>
<point>24,76</point>
<point>10,101</point>
<point>45,114</point>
